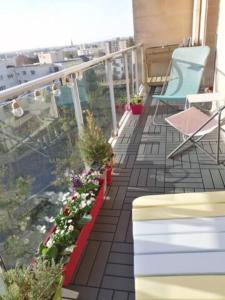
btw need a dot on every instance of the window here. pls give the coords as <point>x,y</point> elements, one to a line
<point>24,72</point>
<point>10,76</point>
<point>32,72</point>
<point>3,87</point>
<point>1,77</point>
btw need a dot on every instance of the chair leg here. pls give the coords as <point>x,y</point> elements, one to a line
<point>176,150</point>
<point>155,114</point>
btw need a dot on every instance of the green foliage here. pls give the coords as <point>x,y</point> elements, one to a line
<point>39,281</point>
<point>14,219</point>
<point>121,100</point>
<point>136,100</point>
<point>93,145</point>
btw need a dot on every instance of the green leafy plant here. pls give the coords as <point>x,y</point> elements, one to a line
<point>93,146</point>
<point>121,100</point>
<point>136,100</point>
<point>14,216</point>
<point>70,220</point>
<point>42,280</point>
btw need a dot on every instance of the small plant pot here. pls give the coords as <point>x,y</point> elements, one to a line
<point>137,108</point>
<point>120,108</point>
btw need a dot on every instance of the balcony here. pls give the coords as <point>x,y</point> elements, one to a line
<point>34,145</point>
<point>41,146</point>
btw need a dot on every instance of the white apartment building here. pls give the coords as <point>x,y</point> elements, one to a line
<point>11,75</point>
<point>7,74</point>
<point>118,67</point>
<point>50,57</point>
<point>29,72</point>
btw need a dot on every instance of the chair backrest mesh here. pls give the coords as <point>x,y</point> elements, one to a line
<point>187,67</point>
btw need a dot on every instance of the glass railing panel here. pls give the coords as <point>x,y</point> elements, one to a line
<point>38,150</point>
<point>119,82</point>
<point>94,96</point>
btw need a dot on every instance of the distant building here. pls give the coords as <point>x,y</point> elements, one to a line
<point>7,74</point>
<point>50,57</point>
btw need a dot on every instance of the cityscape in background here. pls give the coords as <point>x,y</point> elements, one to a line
<point>22,66</point>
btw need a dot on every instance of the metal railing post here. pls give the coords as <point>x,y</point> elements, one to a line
<point>77,105</point>
<point>127,79</point>
<point>142,65</point>
<point>136,72</point>
<point>132,71</point>
<point>112,97</point>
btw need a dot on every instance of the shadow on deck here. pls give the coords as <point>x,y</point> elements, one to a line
<point>106,268</point>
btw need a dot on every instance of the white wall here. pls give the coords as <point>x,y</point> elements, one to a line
<point>219,83</point>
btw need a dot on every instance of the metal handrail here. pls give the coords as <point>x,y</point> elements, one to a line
<point>37,83</point>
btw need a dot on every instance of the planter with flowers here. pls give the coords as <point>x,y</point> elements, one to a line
<point>66,240</point>
<point>137,105</point>
<point>94,148</point>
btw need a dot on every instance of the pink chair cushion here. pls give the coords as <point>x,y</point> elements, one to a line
<point>189,120</point>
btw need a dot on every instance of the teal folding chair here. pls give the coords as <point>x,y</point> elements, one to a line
<point>186,70</point>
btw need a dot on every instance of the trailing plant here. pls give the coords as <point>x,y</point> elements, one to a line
<point>70,220</point>
<point>93,146</point>
<point>41,280</point>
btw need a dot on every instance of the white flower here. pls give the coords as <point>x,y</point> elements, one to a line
<point>71,228</point>
<point>89,202</point>
<point>82,205</point>
<point>41,229</point>
<point>65,196</point>
<point>69,221</point>
<point>49,243</point>
<point>50,220</point>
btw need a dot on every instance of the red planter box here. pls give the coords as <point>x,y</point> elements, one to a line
<point>137,108</point>
<point>80,243</point>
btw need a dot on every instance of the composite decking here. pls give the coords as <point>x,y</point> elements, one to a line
<point>106,268</point>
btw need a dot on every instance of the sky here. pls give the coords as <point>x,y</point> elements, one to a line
<point>27,24</point>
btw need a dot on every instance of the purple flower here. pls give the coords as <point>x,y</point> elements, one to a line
<point>76,181</point>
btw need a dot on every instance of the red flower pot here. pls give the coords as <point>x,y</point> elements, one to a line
<point>137,108</point>
<point>71,265</point>
<point>109,174</point>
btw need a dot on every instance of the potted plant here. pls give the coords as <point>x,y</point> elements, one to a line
<point>137,104</point>
<point>94,148</point>
<point>120,104</point>
<point>67,238</point>
<point>41,280</point>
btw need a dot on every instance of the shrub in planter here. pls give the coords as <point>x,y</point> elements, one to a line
<point>41,280</point>
<point>94,148</point>
<point>137,105</point>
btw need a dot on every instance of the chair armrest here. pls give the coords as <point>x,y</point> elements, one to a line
<point>207,97</point>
